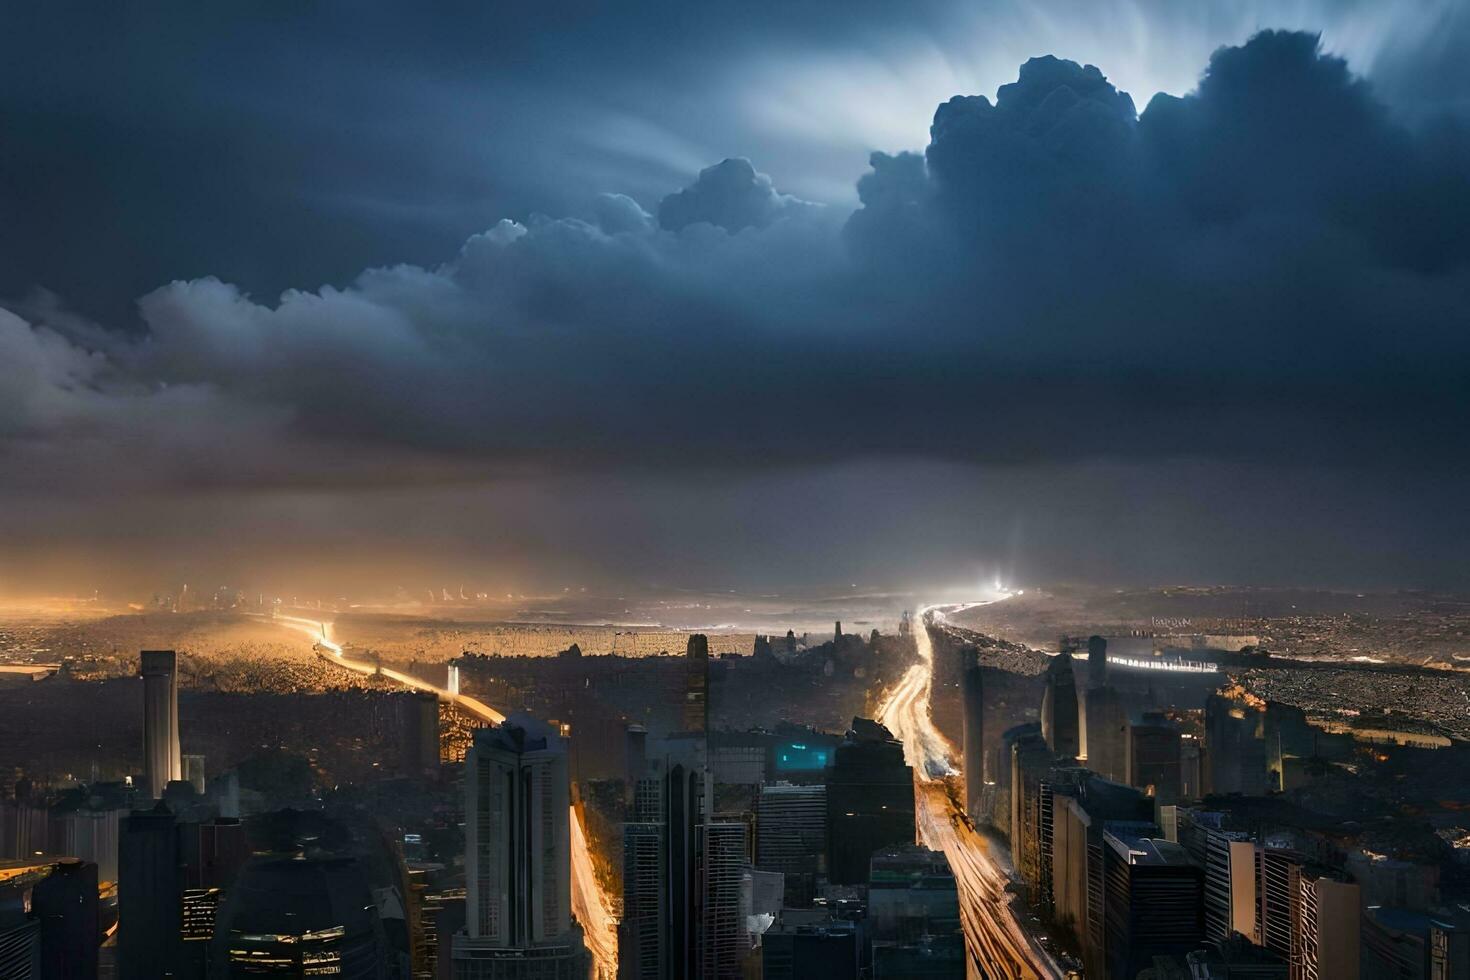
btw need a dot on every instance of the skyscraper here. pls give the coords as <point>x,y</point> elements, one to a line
<point>418,720</point>
<point>518,857</point>
<point>1030,760</point>
<point>1152,752</point>
<point>1097,662</point>
<point>870,801</point>
<point>695,714</point>
<point>973,726</point>
<point>1235,747</point>
<point>161,759</point>
<point>721,928</point>
<point>1059,708</point>
<point>1104,730</point>
<point>1327,939</point>
<point>65,901</point>
<point>1151,901</point>
<point>686,877</point>
<point>643,932</point>
<point>150,892</point>
<point>791,837</point>
<point>1079,816</point>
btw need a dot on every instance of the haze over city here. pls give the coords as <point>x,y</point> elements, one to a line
<point>666,491</point>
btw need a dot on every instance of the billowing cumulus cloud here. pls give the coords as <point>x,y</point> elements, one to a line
<point>1270,269</point>
<point>730,195</point>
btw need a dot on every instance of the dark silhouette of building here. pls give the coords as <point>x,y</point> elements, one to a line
<point>911,894</point>
<point>1153,759</point>
<point>65,902</point>
<point>1235,748</point>
<point>418,720</point>
<point>695,715</point>
<point>1237,958</point>
<point>162,762</point>
<point>448,919</point>
<point>973,731</point>
<point>150,893</point>
<point>870,801</point>
<point>295,915</point>
<point>172,876</point>
<point>796,949</point>
<point>635,759</point>
<point>1059,713</point>
<point>928,958</point>
<point>1097,662</point>
<point>1105,731</point>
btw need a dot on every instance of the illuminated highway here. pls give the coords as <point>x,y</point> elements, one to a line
<point>588,902</point>
<point>997,944</point>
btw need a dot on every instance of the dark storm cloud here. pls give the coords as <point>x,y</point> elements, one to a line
<point>1090,323</point>
<point>1269,268</point>
<point>283,145</point>
<point>730,195</point>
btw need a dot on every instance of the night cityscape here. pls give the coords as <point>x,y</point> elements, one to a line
<point>808,491</point>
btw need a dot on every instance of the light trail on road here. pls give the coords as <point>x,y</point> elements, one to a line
<point>997,944</point>
<point>588,903</point>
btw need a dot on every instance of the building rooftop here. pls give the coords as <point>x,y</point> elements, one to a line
<point>1136,848</point>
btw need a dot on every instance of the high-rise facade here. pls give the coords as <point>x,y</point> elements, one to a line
<point>686,879</point>
<point>973,696</point>
<point>791,837</point>
<point>162,762</point>
<point>518,858</point>
<point>1151,903</point>
<point>695,709</point>
<point>643,931</point>
<point>1079,814</point>
<point>1327,939</point>
<point>1030,760</point>
<point>721,931</point>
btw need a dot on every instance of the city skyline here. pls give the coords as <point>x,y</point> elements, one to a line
<point>834,490</point>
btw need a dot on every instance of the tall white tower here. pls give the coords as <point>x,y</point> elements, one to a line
<point>518,836</point>
<point>161,759</point>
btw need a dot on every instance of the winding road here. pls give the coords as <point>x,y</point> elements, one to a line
<point>588,902</point>
<point>998,946</point>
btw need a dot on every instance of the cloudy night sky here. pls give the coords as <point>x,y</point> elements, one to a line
<point>767,295</point>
